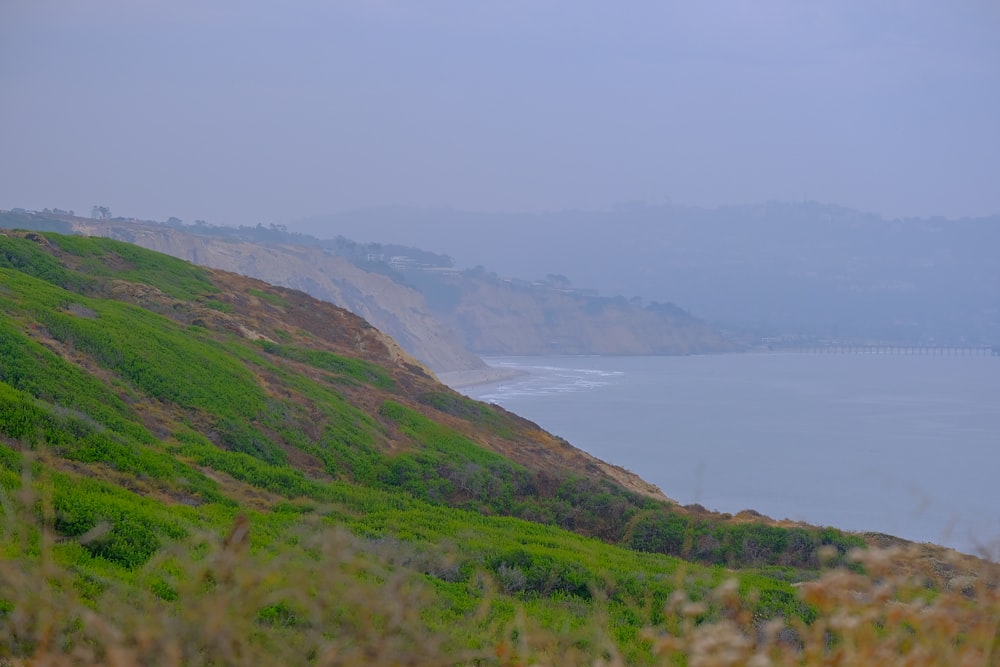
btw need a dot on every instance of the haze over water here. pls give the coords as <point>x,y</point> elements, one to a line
<point>904,445</point>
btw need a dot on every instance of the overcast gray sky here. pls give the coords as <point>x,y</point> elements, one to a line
<point>247,111</point>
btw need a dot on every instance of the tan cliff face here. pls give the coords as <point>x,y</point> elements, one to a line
<point>482,314</point>
<point>394,309</point>
<point>496,317</point>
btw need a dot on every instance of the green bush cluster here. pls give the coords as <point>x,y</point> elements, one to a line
<point>109,258</point>
<point>735,544</point>
<point>26,257</point>
<point>279,479</point>
<point>134,525</point>
<point>524,571</point>
<point>435,436</point>
<point>162,359</point>
<point>456,405</point>
<point>357,369</point>
<point>32,368</point>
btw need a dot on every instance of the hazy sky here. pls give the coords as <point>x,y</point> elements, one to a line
<point>248,111</point>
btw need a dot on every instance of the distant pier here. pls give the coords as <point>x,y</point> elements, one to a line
<point>879,350</point>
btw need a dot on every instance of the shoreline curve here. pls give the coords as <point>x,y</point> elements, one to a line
<point>479,376</point>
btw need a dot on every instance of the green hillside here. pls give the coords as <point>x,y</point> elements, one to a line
<point>199,468</point>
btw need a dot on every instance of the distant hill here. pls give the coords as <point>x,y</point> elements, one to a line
<point>442,316</point>
<point>197,467</point>
<point>495,315</point>
<point>777,269</point>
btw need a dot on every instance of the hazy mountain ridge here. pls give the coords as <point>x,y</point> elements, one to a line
<point>817,270</point>
<point>439,315</point>
<point>497,316</point>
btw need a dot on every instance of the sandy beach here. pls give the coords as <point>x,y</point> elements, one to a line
<point>471,378</point>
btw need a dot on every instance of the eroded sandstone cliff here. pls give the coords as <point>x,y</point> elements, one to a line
<point>443,318</point>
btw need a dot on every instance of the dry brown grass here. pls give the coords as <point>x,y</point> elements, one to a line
<point>883,617</point>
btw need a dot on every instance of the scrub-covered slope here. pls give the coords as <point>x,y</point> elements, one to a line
<point>147,405</point>
<point>125,363</point>
<point>248,367</point>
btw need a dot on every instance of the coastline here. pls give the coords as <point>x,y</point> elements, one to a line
<point>472,378</point>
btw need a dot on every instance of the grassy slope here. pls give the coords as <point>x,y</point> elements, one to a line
<point>148,407</point>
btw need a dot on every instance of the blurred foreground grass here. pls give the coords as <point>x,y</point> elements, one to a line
<point>317,594</point>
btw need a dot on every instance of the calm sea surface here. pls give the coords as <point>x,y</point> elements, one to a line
<point>907,445</point>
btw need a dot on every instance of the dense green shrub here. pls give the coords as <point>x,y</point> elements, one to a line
<point>35,370</point>
<point>25,256</point>
<point>162,359</point>
<point>452,403</point>
<point>524,570</point>
<point>435,436</point>
<point>357,369</point>
<point>239,436</point>
<point>119,527</point>
<point>111,258</point>
<point>659,532</point>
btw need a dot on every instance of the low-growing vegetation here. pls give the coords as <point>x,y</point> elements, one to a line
<point>191,476</point>
<point>347,367</point>
<point>405,583</point>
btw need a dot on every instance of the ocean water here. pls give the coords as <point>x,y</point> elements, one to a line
<point>905,445</point>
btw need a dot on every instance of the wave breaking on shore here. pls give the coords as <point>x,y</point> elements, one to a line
<point>479,376</point>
